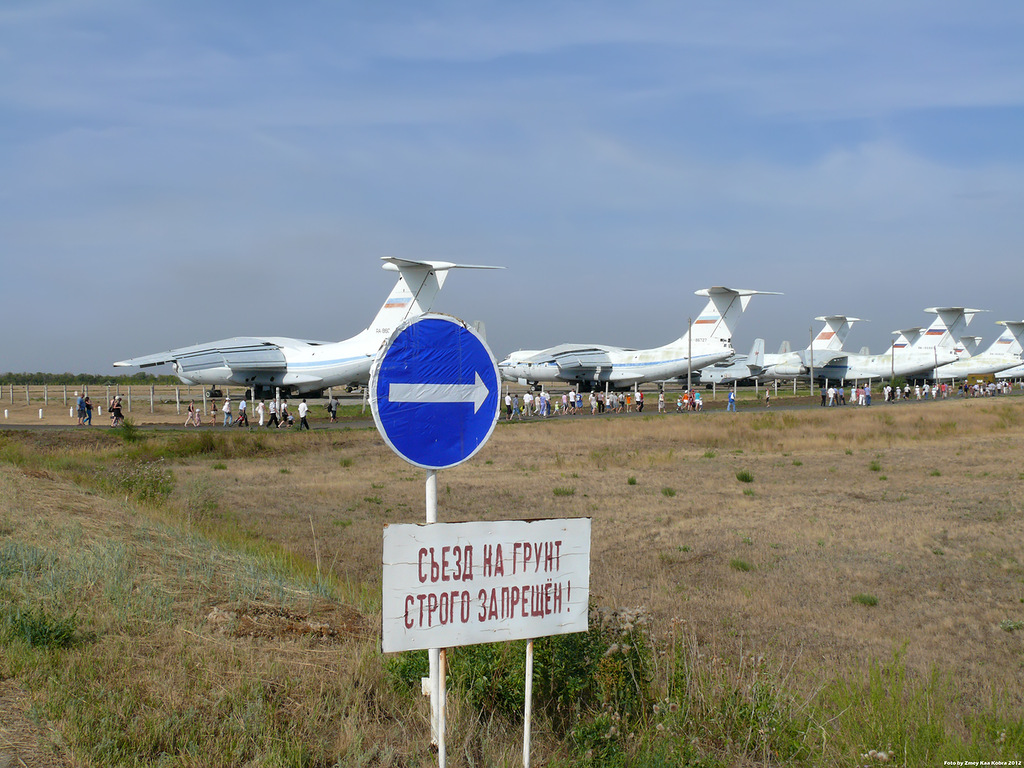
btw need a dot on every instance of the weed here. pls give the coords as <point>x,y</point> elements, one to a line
<point>740,565</point>
<point>631,480</point>
<point>710,453</point>
<point>874,466</point>
<point>130,433</point>
<point>848,452</point>
<point>37,627</point>
<point>668,492</point>
<point>345,462</point>
<point>148,482</point>
<point>1011,625</point>
<point>862,598</point>
<point>935,473</point>
<point>564,491</point>
<point>797,463</point>
<point>744,476</point>
<point>219,465</point>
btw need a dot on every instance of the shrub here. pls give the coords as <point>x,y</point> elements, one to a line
<point>740,565</point>
<point>744,476</point>
<point>575,676</point>
<point>565,491</point>
<point>865,599</point>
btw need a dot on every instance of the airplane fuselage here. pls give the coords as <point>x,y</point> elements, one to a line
<point>622,368</point>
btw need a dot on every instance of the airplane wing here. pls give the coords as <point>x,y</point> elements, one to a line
<point>572,357</point>
<point>822,357</point>
<point>239,353</point>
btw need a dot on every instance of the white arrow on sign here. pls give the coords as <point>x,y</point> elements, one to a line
<point>440,393</point>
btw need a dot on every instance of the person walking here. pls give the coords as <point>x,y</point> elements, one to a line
<point>88,411</point>
<point>116,416</point>
<point>303,410</point>
<point>261,409</point>
<point>226,410</point>
<point>191,413</point>
<point>731,405</point>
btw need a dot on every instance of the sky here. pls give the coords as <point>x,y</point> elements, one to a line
<point>180,172</point>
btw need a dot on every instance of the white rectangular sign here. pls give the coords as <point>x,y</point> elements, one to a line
<point>451,584</point>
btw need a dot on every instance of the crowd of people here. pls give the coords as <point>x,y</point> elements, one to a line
<point>276,413</point>
<point>273,414</point>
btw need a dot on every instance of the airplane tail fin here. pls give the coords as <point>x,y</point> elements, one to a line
<point>906,338</point>
<point>1011,340</point>
<point>967,346</point>
<point>948,326</point>
<point>833,335</point>
<point>756,356</point>
<point>418,284</point>
<point>785,348</point>
<point>717,321</point>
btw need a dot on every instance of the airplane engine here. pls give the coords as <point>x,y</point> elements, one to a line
<point>790,369</point>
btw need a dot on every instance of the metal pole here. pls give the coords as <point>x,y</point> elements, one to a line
<point>528,708</point>
<point>442,695</point>
<point>434,654</point>
<point>177,399</point>
<point>689,351</point>
<point>811,348</point>
<point>152,394</point>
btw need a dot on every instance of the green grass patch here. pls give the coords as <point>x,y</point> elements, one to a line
<point>862,598</point>
<point>668,492</point>
<point>740,565</point>
<point>564,490</point>
<point>744,476</point>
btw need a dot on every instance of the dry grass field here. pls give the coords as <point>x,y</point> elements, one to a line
<point>863,565</point>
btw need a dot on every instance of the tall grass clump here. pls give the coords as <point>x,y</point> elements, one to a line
<point>36,626</point>
<point>744,476</point>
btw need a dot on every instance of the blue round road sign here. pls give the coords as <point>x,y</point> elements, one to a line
<point>435,391</point>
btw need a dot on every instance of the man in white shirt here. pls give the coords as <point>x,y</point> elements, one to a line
<point>303,410</point>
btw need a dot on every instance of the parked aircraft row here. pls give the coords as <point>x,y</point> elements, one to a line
<point>298,366</point>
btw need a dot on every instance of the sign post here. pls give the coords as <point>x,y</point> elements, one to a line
<point>434,394</point>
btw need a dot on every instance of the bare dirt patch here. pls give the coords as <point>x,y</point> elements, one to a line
<point>22,743</point>
<point>327,623</point>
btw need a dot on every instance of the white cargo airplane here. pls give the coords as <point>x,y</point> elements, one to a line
<point>737,367</point>
<point>907,356</point>
<point>597,364</point>
<point>1005,353</point>
<point>789,365</point>
<point>300,367</point>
